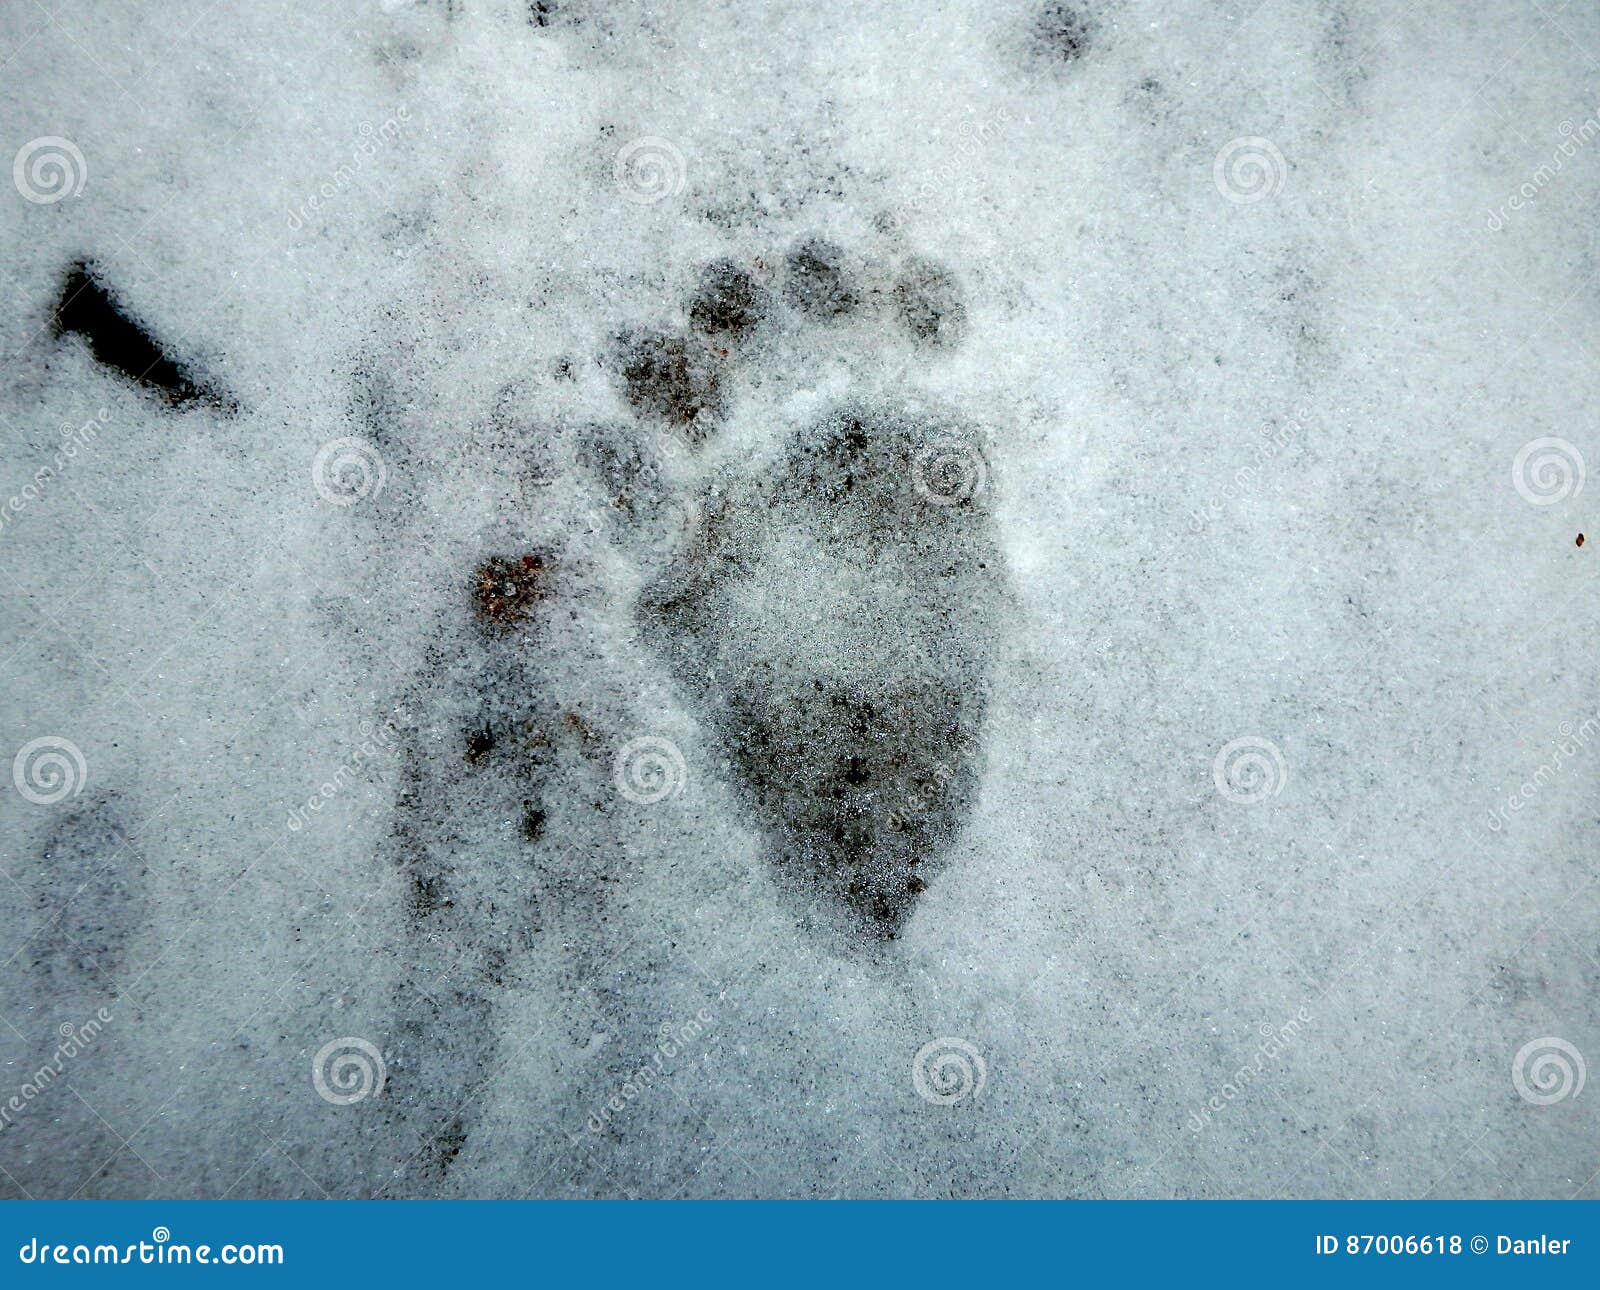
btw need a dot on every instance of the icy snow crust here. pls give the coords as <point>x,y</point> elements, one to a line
<point>663,600</point>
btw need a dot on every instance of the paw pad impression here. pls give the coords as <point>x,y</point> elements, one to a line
<point>834,622</point>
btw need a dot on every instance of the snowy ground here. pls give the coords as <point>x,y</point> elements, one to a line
<point>749,599</point>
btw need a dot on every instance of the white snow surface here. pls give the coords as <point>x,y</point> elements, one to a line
<point>1259,307</point>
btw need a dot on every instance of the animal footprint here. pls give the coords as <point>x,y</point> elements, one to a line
<point>833,617</point>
